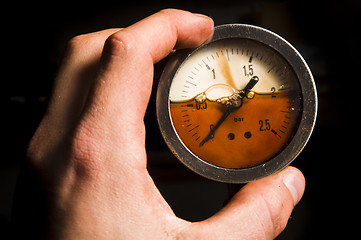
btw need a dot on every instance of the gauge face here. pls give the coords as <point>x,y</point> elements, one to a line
<point>242,104</point>
<point>207,85</point>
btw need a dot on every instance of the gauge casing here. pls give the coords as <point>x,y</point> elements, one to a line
<point>287,154</point>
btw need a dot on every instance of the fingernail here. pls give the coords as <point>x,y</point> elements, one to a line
<point>295,182</point>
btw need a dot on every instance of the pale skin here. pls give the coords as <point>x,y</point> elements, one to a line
<point>89,149</point>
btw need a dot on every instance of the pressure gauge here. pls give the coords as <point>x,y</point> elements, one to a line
<point>238,108</point>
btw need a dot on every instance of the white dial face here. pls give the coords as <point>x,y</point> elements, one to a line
<point>235,103</point>
<point>220,68</point>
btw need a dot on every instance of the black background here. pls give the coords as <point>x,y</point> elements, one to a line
<point>326,33</point>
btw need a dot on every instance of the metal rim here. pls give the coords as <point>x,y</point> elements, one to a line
<point>288,154</point>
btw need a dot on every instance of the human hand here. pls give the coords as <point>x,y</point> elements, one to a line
<point>89,149</point>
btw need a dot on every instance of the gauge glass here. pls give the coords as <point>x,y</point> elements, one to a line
<point>239,107</point>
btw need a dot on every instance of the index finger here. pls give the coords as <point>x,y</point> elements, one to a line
<point>121,92</point>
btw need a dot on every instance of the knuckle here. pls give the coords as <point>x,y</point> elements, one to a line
<point>39,147</point>
<point>170,11</point>
<point>34,152</point>
<point>85,45</point>
<point>167,12</point>
<point>77,43</point>
<point>86,150</point>
<point>119,44</point>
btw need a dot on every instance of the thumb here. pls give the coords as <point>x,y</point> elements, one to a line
<point>260,210</point>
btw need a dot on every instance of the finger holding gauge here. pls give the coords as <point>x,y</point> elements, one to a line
<point>231,108</point>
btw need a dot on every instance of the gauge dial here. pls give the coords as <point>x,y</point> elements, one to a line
<point>202,91</point>
<point>237,102</point>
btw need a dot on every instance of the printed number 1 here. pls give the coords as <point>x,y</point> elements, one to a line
<point>214,73</point>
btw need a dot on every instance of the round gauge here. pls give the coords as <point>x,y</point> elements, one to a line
<point>239,107</point>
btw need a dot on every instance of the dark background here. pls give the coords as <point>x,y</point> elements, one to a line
<point>326,33</point>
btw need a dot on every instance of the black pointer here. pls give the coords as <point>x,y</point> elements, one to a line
<point>254,80</point>
<point>230,109</point>
<point>210,135</point>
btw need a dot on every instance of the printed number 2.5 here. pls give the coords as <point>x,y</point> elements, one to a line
<point>264,125</point>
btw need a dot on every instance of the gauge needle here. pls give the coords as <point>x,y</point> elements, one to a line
<point>237,98</point>
<point>210,135</point>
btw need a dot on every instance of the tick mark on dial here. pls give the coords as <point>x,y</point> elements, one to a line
<point>207,66</point>
<point>193,128</point>
<point>271,68</point>
<point>191,83</point>
<point>275,133</point>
